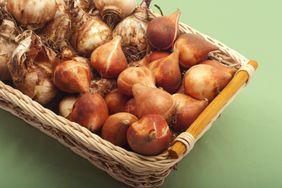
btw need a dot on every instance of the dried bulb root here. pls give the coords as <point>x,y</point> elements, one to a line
<point>102,86</point>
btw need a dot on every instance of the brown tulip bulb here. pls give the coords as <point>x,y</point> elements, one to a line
<point>162,31</point>
<point>150,135</point>
<point>192,49</point>
<point>205,82</point>
<point>167,72</point>
<point>153,56</point>
<point>72,76</point>
<point>109,59</point>
<point>134,75</point>
<point>187,110</point>
<point>90,111</point>
<point>116,126</point>
<point>131,107</point>
<point>153,101</point>
<point>116,101</point>
<point>221,67</point>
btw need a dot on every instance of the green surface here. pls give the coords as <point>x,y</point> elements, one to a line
<point>244,147</point>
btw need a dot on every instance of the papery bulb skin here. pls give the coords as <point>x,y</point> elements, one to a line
<point>192,49</point>
<point>8,33</point>
<point>113,11</point>
<point>57,34</point>
<point>150,135</point>
<point>205,82</point>
<point>167,72</point>
<point>31,68</point>
<point>32,12</point>
<point>116,101</point>
<point>90,111</point>
<point>187,110</point>
<point>109,59</point>
<point>163,31</point>
<point>153,101</point>
<point>66,105</point>
<point>90,32</point>
<point>132,30</point>
<point>102,86</point>
<point>132,76</point>
<point>72,76</point>
<point>116,126</point>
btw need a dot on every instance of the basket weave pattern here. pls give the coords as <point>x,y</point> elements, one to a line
<point>128,167</point>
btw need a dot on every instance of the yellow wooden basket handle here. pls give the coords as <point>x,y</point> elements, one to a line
<point>211,112</point>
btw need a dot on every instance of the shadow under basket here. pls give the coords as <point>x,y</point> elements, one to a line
<point>128,167</point>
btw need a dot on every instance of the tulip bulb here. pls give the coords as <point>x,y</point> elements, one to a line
<point>113,11</point>
<point>66,106</point>
<point>90,32</point>
<point>116,126</point>
<point>131,107</point>
<point>132,76</point>
<point>167,72</point>
<point>109,59</point>
<point>132,30</point>
<point>90,111</point>
<point>162,31</point>
<point>192,49</point>
<point>205,81</point>
<point>31,68</point>
<point>116,101</point>
<point>187,110</point>
<point>221,67</point>
<point>151,57</point>
<point>153,101</point>
<point>150,135</point>
<point>73,76</point>
<point>32,12</point>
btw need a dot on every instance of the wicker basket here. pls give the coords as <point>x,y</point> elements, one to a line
<point>125,166</point>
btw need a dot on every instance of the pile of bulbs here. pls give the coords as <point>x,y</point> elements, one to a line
<point>110,67</point>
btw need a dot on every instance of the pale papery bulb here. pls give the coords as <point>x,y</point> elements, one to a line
<point>89,32</point>
<point>133,30</point>
<point>66,105</point>
<point>31,68</point>
<point>8,32</point>
<point>32,12</point>
<point>112,11</point>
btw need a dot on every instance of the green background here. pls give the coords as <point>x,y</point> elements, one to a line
<point>244,147</point>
